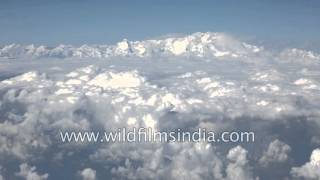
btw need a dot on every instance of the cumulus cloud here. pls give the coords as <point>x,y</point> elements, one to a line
<point>29,173</point>
<point>172,161</point>
<point>310,170</point>
<point>238,167</point>
<point>277,152</point>
<point>88,174</point>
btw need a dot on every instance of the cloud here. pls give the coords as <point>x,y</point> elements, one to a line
<point>171,161</point>
<point>310,170</point>
<point>206,80</point>
<point>29,173</point>
<point>88,174</point>
<point>1,177</point>
<point>238,167</point>
<point>277,152</point>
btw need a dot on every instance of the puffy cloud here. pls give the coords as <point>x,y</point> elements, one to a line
<point>238,168</point>
<point>29,173</point>
<point>277,152</point>
<point>310,170</point>
<point>199,161</point>
<point>172,161</point>
<point>88,174</point>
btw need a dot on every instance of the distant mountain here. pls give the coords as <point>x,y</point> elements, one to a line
<point>197,44</point>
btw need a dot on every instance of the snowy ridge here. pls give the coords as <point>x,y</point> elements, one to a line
<point>201,45</point>
<point>197,44</point>
<point>299,56</point>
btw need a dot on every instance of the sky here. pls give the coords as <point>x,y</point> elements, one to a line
<point>53,22</point>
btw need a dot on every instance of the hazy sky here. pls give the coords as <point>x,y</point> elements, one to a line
<point>52,22</point>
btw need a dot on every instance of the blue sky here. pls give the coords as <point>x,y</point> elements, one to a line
<point>51,22</point>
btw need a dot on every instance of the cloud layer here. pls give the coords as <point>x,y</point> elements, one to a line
<point>206,80</point>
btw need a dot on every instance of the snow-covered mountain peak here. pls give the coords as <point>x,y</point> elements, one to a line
<point>198,44</point>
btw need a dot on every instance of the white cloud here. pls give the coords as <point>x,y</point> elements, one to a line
<point>29,173</point>
<point>277,152</point>
<point>238,168</point>
<point>310,170</point>
<point>169,161</point>
<point>88,174</point>
<point>202,80</point>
